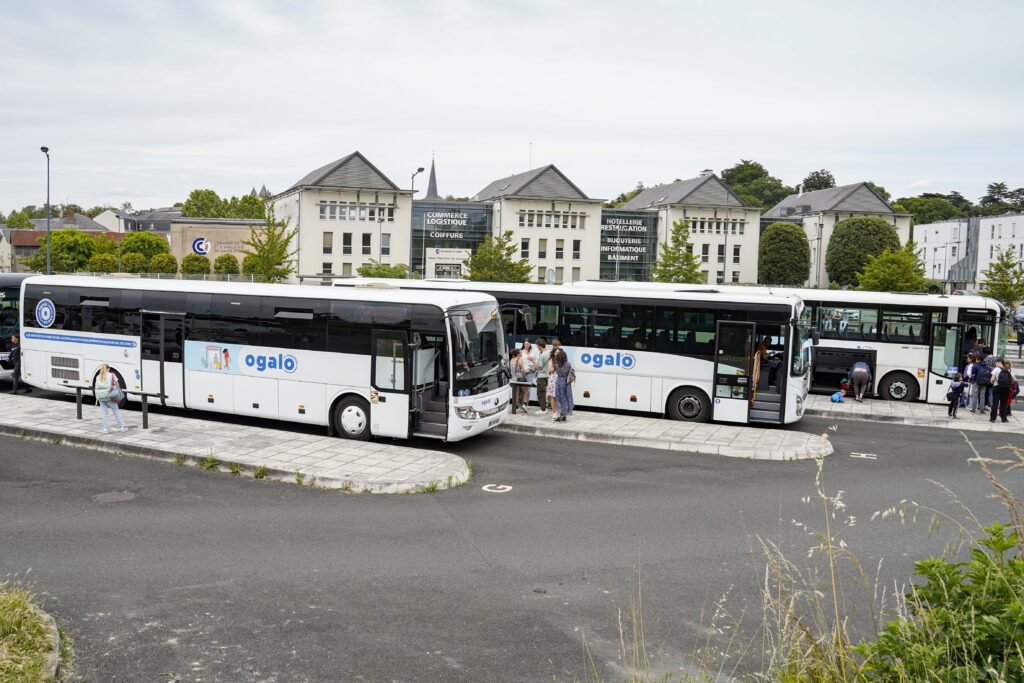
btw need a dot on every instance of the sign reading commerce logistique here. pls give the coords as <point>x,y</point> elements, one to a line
<point>629,244</point>
<point>45,313</point>
<point>447,225</point>
<point>597,360</point>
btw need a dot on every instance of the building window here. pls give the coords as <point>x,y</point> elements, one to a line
<point>953,251</point>
<point>391,214</point>
<point>366,242</point>
<point>993,235</point>
<point>373,213</point>
<point>547,220</point>
<point>328,242</point>
<point>522,219</point>
<point>572,222</point>
<point>705,274</point>
<point>565,220</point>
<point>735,276</point>
<point>736,254</point>
<point>362,212</point>
<point>524,249</point>
<point>542,248</point>
<point>351,212</point>
<point>540,274</point>
<point>558,274</point>
<point>990,251</point>
<point>325,268</point>
<point>718,227</point>
<point>743,225</point>
<point>346,243</point>
<point>323,211</point>
<point>529,219</point>
<point>721,253</point>
<point>733,228</point>
<point>583,220</point>
<point>704,253</point>
<point>559,249</point>
<point>385,244</point>
<point>334,211</point>
<point>575,274</point>
<point>346,269</point>
<point>576,249</point>
<point>700,226</point>
<point>720,277</point>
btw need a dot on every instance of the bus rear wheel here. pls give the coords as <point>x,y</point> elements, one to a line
<point>352,418</point>
<point>689,405</point>
<point>898,386</point>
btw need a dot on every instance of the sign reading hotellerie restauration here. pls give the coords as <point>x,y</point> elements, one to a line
<point>447,232</point>
<point>629,244</point>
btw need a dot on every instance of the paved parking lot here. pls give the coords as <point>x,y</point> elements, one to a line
<point>920,414</point>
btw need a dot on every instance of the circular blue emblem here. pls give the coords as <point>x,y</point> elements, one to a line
<point>201,246</point>
<point>45,313</point>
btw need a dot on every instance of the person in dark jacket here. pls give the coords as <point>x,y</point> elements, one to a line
<point>956,390</point>
<point>15,359</point>
<point>1002,380</point>
<point>860,378</point>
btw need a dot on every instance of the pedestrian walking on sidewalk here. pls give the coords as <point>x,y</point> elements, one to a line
<point>15,358</point>
<point>1002,380</point>
<point>956,390</point>
<point>543,361</point>
<point>515,364</point>
<point>563,387</point>
<point>860,377</point>
<point>108,393</point>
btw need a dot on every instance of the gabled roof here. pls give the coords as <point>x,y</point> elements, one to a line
<point>858,197</point>
<point>704,190</point>
<point>30,238</point>
<point>354,171</point>
<point>546,182</point>
<point>76,221</point>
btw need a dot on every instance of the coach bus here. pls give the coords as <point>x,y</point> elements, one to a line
<point>914,343</point>
<point>692,356</point>
<point>10,300</point>
<point>382,362</point>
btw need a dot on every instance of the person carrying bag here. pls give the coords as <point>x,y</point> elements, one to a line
<point>108,394</point>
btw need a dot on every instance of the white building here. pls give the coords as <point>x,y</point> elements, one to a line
<point>346,213</point>
<point>958,251</point>
<point>724,231</point>
<point>819,211</point>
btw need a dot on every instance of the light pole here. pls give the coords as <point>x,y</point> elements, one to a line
<point>725,246</point>
<point>380,235</point>
<point>46,151</point>
<point>423,229</point>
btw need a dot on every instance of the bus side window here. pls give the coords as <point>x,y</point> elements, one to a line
<point>637,329</point>
<point>347,332</point>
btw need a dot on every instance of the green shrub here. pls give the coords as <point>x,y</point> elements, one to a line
<point>134,262</point>
<point>226,264</point>
<point>852,241</point>
<point>195,264</point>
<point>163,263</point>
<point>102,263</point>
<point>250,264</point>
<point>784,257</point>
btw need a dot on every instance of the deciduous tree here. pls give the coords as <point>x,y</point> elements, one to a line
<point>818,180</point>
<point>134,262</point>
<point>248,207</point>
<point>148,244</point>
<point>270,245</point>
<point>784,256</point>
<point>751,178</point>
<point>376,269</point>
<point>677,262</point>
<point>852,241</point>
<point>1003,280</point>
<point>70,251</point>
<point>249,264</point>
<point>928,210</point>
<point>19,221</point>
<point>901,270</point>
<point>494,261</point>
<point>226,264</point>
<point>881,191</point>
<point>102,263</point>
<point>203,204</point>
<point>195,264</point>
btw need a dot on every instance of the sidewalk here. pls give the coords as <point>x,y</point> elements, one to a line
<point>919,414</point>
<point>330,462</point>
<point>758,443</point>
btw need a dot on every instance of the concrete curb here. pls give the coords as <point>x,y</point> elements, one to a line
<point>752,453</point>
<point>959,425</point>
<point>354,484</point>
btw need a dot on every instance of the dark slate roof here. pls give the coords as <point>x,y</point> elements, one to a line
<point>432,195</point>
<point>30,238</point>
<point>678,193</point>
<point>322,175</point>
<point>818,200</point>
<point>519,185</point>
<point>76,221</point>
<point>264,192</point>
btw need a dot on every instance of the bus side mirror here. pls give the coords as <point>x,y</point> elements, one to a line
<point>528,319</point>
<point>815,336</point>
<point>471,330</point>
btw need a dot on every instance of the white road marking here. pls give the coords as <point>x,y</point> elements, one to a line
<point>496,488</point>
<point>865,456</point>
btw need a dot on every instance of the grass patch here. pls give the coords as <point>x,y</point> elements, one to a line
<point>260,472</point>
<point>431,487</point>
<point>235,468</point>
<point>179,459</point>
<point>211,463</point>
<point>24,640</point>
<point>299,477</point>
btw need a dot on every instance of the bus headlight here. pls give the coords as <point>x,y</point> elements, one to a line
<point>799,406</point>
<point>467,413</point>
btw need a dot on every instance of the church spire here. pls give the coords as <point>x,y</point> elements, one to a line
<point>432,185</point>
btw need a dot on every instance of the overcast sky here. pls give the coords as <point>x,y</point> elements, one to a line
<point>144,101</point>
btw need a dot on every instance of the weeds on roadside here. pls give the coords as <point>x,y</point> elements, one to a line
<point>179,458</point>
<point>299,476</point>
<point>235,468</point>
<point>24,637</point>
<point>210,463</point>
<point>260,472</point>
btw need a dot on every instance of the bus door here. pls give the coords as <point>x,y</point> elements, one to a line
<point>945,357</point>
<point>734,354</point>
<point>163,357</point>
<point>430,386</point>
<point>390,381</point>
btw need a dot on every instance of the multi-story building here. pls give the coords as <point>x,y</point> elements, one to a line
<point>957,252</point>
<point>819,211</point>
<point>723,230</point>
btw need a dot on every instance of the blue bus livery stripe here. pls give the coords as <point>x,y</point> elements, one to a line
<point>46,336</point>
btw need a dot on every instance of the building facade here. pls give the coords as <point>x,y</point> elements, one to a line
<point>957,252</point>
<point>209,237</point>
<point>445,234</point>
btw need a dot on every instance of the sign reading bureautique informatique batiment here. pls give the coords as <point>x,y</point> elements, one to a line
<point>447,232</point>
<point>629,244</point>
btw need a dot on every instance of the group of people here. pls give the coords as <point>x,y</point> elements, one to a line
<point>988,382</point>
<point>547,369</point>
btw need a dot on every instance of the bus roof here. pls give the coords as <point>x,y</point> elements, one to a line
<point>373,294</point>
<point>783,299</point>
<point>13,279</point>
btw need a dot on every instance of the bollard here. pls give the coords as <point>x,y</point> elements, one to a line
<point>145,412</point>
<point>78,402</point>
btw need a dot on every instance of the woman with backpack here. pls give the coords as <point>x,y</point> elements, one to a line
<point>1002,380</point>
<point>108,393</point>
<point>956,390</point>
<point>564,377</point>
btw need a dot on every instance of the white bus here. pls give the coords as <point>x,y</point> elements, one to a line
<point>370,362</point>
<point>688,355</point>
<point>914,343</point>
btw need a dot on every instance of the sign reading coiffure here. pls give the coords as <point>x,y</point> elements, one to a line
<point>629,244</point>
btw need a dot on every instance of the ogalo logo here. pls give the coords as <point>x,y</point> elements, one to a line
<point>626,361</point>
<point>279,362</point>
<point>201,246</point>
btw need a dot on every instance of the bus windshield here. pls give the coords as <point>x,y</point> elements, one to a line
<point>478,362</point>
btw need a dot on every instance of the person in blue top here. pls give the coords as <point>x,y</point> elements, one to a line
<point>860,378</point>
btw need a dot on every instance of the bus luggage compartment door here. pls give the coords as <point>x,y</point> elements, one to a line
<point>389,392</point>
<point>734,353</point>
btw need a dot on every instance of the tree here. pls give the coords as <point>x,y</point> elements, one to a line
<point>881,191</point>
<point>96,211</point>
<point>70,251</point>
<point>751,178</point>
<point>784,256</point>
<point>1003,280</point>
<point>677,262</point>
<point>18,220</point>
<point>102,263</point>
<point>134,262</point>
<point>106,244</point>
<point>625,196</point>
<point>249,264</point>
<point>818,180</point>
<point>146,243</point>
<point>376,269</point>
<point>494,261</point>
<point>928,210</point>
<point>901,270</point>
<point>203,204</point>
<point>249,207</point>
<point>270,244</point>
<point>852,241</point>
<point>195,264</point>
<point>996,193</point>
<point>165,263</point>
<point>225,264</point>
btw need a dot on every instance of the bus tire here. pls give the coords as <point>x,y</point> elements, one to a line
<point>898,386</point>
<point>352,418</point>
<point>689,404</point>
<point>120,382</point>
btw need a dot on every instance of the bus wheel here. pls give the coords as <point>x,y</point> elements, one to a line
<point>689,404</point>
<point>898,386</point>
<point>352,418</point>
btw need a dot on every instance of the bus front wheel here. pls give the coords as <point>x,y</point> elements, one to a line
<point>352,418</point>
<point>690,405</point>
<point>898,386</point>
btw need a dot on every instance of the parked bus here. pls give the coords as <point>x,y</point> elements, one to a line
<point>914,343</point>
<point>10,301</point>
<point>382,362</point>
<point>692,356</point>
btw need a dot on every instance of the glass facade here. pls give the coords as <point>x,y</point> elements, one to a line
<point>629,244</point>
<point>441,231</point>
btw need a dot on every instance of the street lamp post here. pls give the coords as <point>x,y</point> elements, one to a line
<point>725,246</point>
<point>46,151</point>
<point>423,236</point>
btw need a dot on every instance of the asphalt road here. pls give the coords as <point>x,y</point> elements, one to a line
<point>206,576</point>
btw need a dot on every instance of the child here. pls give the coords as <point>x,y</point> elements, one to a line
<point>844,386</point>
<point>956,390</point>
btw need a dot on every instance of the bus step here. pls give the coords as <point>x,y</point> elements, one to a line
<point>760,404</point>
<point>764,416</point>
<point>432,428</point>
<point>438,416</point>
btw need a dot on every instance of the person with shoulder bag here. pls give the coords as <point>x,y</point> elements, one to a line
<point>1002,380</point>
<point>564,378</point>
<point>108,393</point>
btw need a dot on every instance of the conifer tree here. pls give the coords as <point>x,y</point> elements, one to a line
<point>677,263</point>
